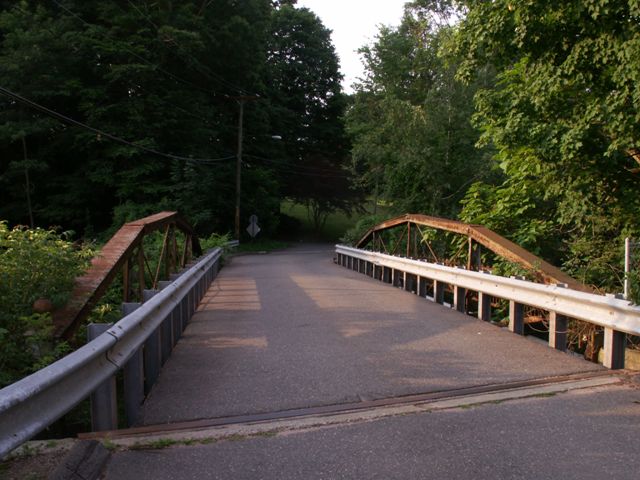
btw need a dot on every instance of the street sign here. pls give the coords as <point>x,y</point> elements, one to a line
<point>253,229</point>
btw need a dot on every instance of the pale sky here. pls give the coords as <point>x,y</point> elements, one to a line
<point>354,24</point>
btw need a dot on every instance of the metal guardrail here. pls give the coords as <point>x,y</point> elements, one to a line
<point>35,402</point>
<point>617,316</point>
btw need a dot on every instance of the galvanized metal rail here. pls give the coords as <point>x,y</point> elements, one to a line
<point>617,316</point>
<point>138,344</point>
<point>477,235</point>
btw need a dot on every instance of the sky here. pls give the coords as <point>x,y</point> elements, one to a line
<point>354,24</point>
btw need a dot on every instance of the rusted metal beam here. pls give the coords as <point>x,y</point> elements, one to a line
<point>126,287</point>
<point>162,256</point>
<point>141,277</point>
<point>487,238</point>
<point>395,249</point>
<point>91,286</point>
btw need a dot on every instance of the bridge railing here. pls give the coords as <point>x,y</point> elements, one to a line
<point>137,344</point>
<point>617,316</point>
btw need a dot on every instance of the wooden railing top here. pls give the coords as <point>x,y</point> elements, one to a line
<point>91,286</point>
<point>487,238</point>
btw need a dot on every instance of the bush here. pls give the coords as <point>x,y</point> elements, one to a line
<point>215,240</point>
<point>361,227</point>
<point>34,264</point>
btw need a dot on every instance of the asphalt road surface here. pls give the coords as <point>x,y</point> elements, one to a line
<point>292,330</point>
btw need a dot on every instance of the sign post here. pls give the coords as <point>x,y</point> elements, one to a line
<point>253,229</point>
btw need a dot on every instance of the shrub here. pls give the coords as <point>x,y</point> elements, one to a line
<point>34,264</point>
<point>361,227</point>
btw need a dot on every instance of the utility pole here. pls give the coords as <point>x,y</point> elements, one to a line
<point>241,101</point>
<point>239,168</point>
<point>27,182</point>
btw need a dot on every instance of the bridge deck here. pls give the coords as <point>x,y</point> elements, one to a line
<point>292,330</point>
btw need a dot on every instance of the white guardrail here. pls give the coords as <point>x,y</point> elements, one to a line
<point>35,402</point>
<point>616,315</point>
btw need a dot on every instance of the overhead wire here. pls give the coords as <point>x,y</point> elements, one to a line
<point>300,169</point>
<point>65,119</point>
<point>214,76</point>
<point>138,86</point>
<point>134,54</point>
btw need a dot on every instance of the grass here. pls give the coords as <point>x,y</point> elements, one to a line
<point>162,443</point>
<point>155,444</point>
<point>109,445</point>
<point>337,222</point>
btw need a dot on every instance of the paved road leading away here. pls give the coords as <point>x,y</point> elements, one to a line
<point>292,330</point>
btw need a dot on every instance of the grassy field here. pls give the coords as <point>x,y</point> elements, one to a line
<point>335,227</point>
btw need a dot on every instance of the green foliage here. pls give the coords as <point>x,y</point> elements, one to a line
<point>361,227</point>
<point>215,240</point>
<point>166,75</point>
<point>309,103</point>
<point>34,264</point>
<point>413,142</point>
<point>563,119</point>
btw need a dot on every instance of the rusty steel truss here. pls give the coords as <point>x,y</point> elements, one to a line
<point>124,255</point>
<point>412,240</point>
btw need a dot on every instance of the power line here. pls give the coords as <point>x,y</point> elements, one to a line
<point>71,121</point>
<point>173,42</point>
<point>131,52</point>
<point>301,169</point>
<point>139,86</point>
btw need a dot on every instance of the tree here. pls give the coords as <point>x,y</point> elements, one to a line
<point>308,107</point>
<point>410,123</point>
<point>36,266</point>
<point>157,75</point>
<point>165,78</point>
<point>563,117</point>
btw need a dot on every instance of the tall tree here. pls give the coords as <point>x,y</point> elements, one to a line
<point>308,108</point>
<point>158,75</point>
<point>411,129</point>
<point>563,117</point>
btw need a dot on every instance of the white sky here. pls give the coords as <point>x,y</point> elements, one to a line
<point>354,24</point>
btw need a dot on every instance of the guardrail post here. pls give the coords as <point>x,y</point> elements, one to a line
<point>557,331</point>
<point>422,287</point>
<point>184,313</point>
<point>410,282</point>
<point>484,306</point>
<point>152,352</point>
<point>438,292</point>
<point>516,317</point>
<point>386,275</point>
<point>133,378</point>
<point>104,403</point>
<point>176,324</point>
<point>460,299</point>
<point>398,277</point>
<point>614,347</point>
<point>166,330</point>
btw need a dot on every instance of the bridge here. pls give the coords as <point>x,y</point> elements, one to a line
<point>337,362</point>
